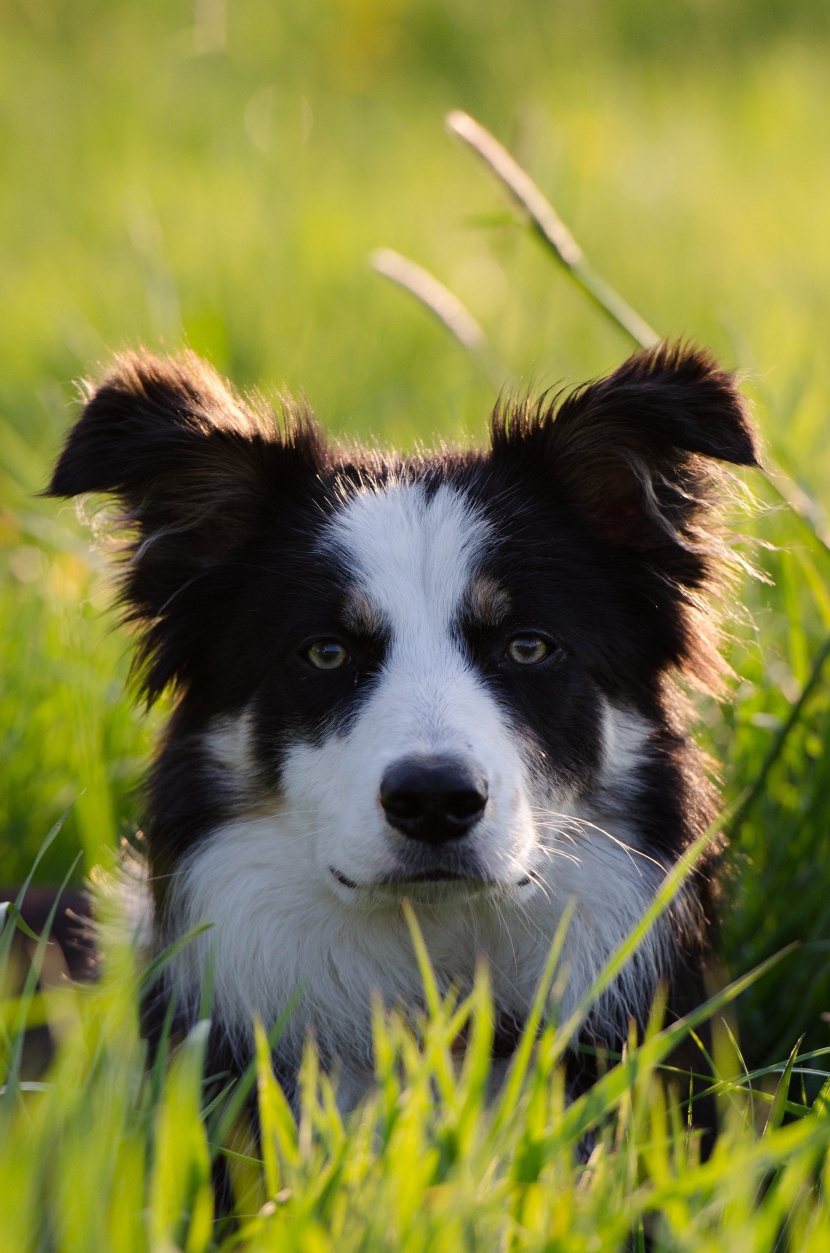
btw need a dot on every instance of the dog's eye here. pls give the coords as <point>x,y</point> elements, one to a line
<point>528,650</point>
<point>327,655</point>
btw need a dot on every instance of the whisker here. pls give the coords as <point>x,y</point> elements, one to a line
<point>584,824</point>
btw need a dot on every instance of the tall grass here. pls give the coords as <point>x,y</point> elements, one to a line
<point>106,1154</point>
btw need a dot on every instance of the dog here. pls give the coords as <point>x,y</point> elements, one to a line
<point>457,678</point>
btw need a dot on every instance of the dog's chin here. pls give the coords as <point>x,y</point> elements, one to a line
<point>433,887</point>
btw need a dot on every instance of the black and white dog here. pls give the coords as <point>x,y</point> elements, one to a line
<point>451,678</point>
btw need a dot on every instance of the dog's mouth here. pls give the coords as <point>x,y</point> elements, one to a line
<point>404,879</point>
<point>341,878</point>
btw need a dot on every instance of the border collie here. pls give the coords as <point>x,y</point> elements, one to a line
<point>456,678</point>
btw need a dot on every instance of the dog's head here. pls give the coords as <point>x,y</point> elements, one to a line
<point>415,663</point>
<point>444,677</point>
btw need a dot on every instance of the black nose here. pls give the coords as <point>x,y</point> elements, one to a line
<point>434,799</point>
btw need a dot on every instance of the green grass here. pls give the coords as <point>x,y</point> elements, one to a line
<point>171,176</point>
<point>107,1154</point>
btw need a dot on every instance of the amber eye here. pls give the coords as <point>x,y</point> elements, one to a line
<point>327,655</point>
<point>528,650</point>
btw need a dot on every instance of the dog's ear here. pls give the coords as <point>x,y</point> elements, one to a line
<point>635,459</point>
<point>192,467</point>
<point>633,453</point>
<point>182,453</point>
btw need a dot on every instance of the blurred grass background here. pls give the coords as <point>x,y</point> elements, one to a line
<point>215,172</point>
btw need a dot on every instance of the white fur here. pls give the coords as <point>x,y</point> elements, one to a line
<point>228,744</point>
<point>283,922</point>
<point>625,744</point>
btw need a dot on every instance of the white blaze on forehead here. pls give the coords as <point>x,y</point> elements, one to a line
<point>413,553</point>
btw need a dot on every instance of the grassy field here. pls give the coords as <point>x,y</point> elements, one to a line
<point>216,173</point>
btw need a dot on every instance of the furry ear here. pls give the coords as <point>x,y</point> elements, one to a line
<point>632,452</point>
<point>634,457</point>
<point>192,467</point>
<point>180,450</point>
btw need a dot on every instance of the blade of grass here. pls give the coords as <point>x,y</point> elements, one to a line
<point>777,747</point>
<point>162,1054</point>
<point>9,911</point>
<point>443,305</point>
<point>19,1030</point>
<point>780,1102</point>
<point>587,1109</point>
<point>549,227</point>
<point>277,1121</point>
<point>521,1058</point>
<point>431,992</point>
<point>438,1034</point>
<point>567,1031</point>
<point>6,933</point>
<point>795,498</point>
<point>746,1084</point>
<point>663,897</point>
<point>240,1091</point>
<point>154,968</point>
<point>740,1081</point>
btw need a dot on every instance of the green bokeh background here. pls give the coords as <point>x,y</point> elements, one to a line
<point>216,172</point>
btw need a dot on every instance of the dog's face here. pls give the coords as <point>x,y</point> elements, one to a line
<point>411,773</point>
<point>442,678</point>
<point>421,710</point>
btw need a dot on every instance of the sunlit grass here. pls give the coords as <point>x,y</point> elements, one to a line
<point>104,1154</point>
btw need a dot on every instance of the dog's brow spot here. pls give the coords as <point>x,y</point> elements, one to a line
<point>360,615</point>
<point>487,602</point>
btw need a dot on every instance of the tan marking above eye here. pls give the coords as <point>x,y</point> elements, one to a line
<point>360,615</point>
<point>488,603</point>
